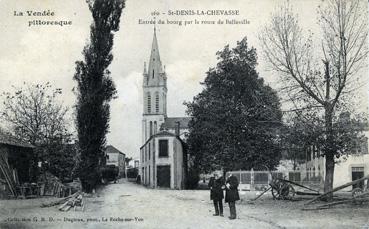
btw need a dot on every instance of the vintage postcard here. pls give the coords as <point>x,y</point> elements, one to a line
<point>184,114</point>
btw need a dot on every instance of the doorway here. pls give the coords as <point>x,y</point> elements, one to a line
<point>357,173</point>
<point>163,176</point>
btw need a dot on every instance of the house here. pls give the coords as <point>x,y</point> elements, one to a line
<point>117,158</point>
<point>163,157</point>
<point>15,162</point>
<point>350,167</point>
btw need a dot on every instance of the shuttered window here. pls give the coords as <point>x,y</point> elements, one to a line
<point>163,148</point>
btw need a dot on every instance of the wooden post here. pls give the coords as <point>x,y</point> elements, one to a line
<point>338,188</point>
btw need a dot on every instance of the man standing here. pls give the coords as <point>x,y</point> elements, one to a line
<point>216,186</point>
<point>232,195</point>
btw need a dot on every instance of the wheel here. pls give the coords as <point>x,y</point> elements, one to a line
<point>356,192</point>
<point>275,193</point>
<point>288,192</point>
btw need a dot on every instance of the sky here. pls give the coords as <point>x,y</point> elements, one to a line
<point>39,54</point>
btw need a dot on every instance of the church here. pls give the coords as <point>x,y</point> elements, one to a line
<point>163,154</point>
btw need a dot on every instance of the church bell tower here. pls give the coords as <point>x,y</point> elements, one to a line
<point>154,93</point>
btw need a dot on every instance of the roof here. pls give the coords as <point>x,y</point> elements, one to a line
<point>111,149</point>
<point>160,134</point>
<point>8,139</point>
<point>171,123</point>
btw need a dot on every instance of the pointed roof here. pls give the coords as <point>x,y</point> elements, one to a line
<point>155,66</point>
<point>111,149</point>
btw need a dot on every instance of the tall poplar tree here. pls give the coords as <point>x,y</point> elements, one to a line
<point>96,89</point>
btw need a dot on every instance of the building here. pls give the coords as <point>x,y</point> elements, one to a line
<point>15,158</point>
<point>348,168</point>
<point>117,158</point>
<point>163,151</point>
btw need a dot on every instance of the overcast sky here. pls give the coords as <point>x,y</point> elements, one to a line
<point>48,53</point>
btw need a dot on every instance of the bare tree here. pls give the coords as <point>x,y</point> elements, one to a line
<point>343,51</point>
<point>34,114</point>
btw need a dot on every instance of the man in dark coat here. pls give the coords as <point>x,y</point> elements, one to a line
<point>216,186</point>
<point>232,195</point>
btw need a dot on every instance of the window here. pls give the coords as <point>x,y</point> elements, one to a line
<point>153,73</point>
<point>155,127</point>
<point>148,103</point>
<point>149,151</point>
<point>164,103</point>
<point>151,128</point>
<point>163,148</point>
<point>142,154</point>
<point>157,102</point>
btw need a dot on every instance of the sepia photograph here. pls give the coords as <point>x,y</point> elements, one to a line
<point>184,114</point>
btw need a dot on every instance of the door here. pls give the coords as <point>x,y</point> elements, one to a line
<point>163,176</point>
<point>357,173</point>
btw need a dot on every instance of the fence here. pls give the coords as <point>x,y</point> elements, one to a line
<point>259,180</point>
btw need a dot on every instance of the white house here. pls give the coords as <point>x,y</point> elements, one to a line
<point>347,168</point>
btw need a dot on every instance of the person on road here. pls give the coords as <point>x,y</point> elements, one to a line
<point>232,195</point>
<point>216,186</point>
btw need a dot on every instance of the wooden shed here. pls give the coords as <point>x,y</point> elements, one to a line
<point>15,158</point>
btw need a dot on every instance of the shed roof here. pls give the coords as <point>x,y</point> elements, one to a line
<point>8,139</point>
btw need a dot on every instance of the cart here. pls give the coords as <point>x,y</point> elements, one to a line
<point>283,189</point>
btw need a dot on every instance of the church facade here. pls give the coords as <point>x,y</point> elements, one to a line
<point>163,155</point>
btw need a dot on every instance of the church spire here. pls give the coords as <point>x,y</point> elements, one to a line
<point>155,66</point>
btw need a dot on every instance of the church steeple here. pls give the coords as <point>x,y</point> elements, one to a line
<point>154,93</point>
<point>154,74</point>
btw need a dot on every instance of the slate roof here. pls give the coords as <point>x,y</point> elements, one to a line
<point>171,123</point>
<point>7,139</point>
<point>111,149</point>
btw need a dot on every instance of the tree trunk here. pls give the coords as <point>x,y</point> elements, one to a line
<point>329,173</point>
<point>329,151</point>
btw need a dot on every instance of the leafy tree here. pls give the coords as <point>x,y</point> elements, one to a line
<point>62,160</point>
<point>303,131</point>
<point>34,114</point>
<point>235,117</point>
<point>96,89</point>
<point>323,88</point>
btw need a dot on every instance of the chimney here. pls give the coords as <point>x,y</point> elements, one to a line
<point>177,128</point>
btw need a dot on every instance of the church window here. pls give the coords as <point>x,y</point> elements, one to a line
<point>155,127</point>
<point>148,103</point>
<point>157,102</point>
<point>164,103</point>
<point>153,73</point>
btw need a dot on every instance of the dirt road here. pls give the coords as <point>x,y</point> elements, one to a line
<point>127,205</point>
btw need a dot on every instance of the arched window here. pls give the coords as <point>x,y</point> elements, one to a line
<point>148,102</point>
<point>153,73</point>
<point>164,103</point>
<point>150,128</point>
<point>155,127</point>
<point>157,102</point>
